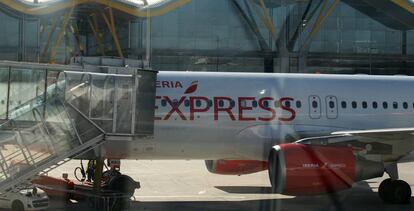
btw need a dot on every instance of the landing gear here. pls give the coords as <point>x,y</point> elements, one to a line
<point>395,191</point>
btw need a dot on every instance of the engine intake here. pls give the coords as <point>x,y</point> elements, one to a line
<point>300,169</point>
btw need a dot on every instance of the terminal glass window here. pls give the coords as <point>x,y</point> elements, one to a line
<point>25,85</point>
<point>4,78</point>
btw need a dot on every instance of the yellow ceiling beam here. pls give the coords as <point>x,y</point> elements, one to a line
<point>48,8</point>
<point>93,23</point>
<point>110,22</point>
<point>60,36</point>
<point>266,19</point>
<point>406,4</point>
<point>323,15</point>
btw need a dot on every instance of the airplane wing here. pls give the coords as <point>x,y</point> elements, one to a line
<point>388,145</point>
<point>393,133</point>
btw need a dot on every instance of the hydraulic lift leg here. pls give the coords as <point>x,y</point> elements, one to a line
<point>97,180</point>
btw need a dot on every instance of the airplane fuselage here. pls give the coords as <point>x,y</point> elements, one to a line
<point>242,115</point>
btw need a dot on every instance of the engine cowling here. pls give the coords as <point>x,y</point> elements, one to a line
<point>235,167</point>
<point>299,169</point>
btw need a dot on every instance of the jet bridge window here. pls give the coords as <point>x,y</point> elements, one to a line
<point>374,105</point>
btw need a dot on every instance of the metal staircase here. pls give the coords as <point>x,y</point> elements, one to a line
<point>40,139</point>
<point>70,116</point>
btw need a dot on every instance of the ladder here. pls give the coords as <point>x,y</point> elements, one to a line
<point>42,139</point>
<point>63,113</point>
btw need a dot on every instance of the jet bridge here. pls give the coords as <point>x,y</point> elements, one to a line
<point>52,113</point>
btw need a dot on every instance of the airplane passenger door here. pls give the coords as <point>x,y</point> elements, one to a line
<point>315,109</point>
<point>331,107</point>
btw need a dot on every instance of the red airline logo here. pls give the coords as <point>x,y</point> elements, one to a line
<point>192,88</point>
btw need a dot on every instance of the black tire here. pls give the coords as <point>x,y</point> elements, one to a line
<point>123,184</point>
<point>401,192</point>
<point>395,191</point>
<point>109,174</point>
<point>17,206</point>
<point>384,190</point>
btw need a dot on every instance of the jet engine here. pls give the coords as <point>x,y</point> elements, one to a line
<point>300,169</point>
<point>235,167</point>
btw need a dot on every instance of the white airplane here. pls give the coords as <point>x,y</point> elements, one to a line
<point>315,133</point>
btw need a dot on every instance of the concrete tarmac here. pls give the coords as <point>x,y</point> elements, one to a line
<point>187,185</point>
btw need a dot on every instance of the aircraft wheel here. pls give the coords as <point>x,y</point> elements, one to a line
<point>384,190</point>
<point>401,192</point>
<point>395,191</point>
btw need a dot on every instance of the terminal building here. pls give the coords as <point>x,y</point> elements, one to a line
<point>312,36</point>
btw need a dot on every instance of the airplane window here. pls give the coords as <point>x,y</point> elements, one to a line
<point>298,104</point>
<point>364,104</point>
<point>343,104</point>
<point>186,103</point>
<point>385,105</point>
<point>232,103</point>
<point>287,104</point>
<point>266,104</point>
<point>374,104</point>
<point>254,103</point>
<point>163,103</point>
<point>243,103</point>
<point>405,105</point>
<point>221,103</point>
<point>354,104</point>
<point>198,103</point>
<point>210,103</point>
<point>175,102</point>
<point>331,104</point>
<point>277,104</point>
<point>395,105</point>
<point>314,104</point>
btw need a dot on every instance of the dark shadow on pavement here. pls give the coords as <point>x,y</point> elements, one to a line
<point>359,198</point>
<point>245,189</point>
